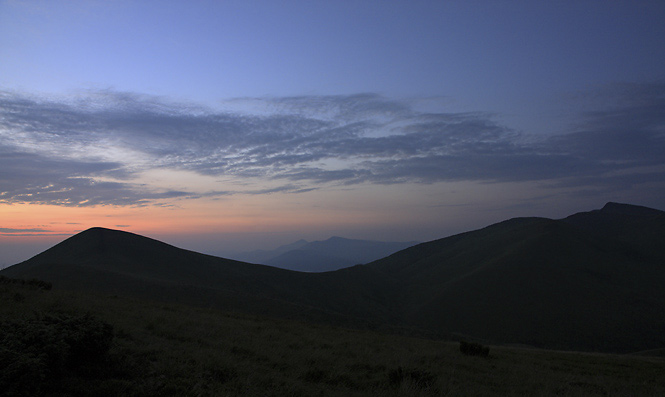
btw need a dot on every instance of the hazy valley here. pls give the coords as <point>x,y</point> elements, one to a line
<point>319,256</point>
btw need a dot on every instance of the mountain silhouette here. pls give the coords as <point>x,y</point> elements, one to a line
<point>591,281</point>
<point>537,281</point>
<point>261,256</point>
<point>117,262</point>
<point>321,256</point>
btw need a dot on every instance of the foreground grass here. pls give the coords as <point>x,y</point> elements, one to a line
<point>160,349</point>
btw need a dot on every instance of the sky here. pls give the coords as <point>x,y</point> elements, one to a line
<point>227,126</point>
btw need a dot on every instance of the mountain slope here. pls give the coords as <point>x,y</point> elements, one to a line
<point>640,229</point>
<point>118,262</point>
<point>534,281</point>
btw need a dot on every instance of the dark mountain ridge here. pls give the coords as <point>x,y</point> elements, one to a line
<point>640,228</point>
<point>118,262</point>
<point>591,281</point>
<point>538,281</point>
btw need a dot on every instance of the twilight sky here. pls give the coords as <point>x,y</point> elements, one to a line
<point>224,126</point>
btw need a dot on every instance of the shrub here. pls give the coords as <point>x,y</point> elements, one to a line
<point>314,375</point>
<point>37,354</point>
<point>474,349</point>
<point>41,284</point>
<point>22,374</point>
<point>89,339</point>
<point>423,379</point>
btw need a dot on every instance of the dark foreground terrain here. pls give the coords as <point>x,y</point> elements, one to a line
<point>56,342</point>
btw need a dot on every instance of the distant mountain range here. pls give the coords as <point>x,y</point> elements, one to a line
<point>322,256</point>
<point>592,281</point>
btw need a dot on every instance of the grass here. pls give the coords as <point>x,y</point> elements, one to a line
<point>162,349</point>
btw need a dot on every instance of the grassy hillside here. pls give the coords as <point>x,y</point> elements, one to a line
<point>534,281</point>
<point>125,263</point>
<point>165,349</point>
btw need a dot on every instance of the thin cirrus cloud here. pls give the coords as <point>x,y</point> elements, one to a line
<point>30,232</point>
<point>93,150</point>
<point>41,179</point>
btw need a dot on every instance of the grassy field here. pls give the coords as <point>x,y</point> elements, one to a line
<point>160,349</point>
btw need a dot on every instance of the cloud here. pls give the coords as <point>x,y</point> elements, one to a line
<point>621,144</point>
<point>30,232</point>
<point>9,230</point>
<point>39,179</point>
<point>630,132</point>
<point>92,150</point>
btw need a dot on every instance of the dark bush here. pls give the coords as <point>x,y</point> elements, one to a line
<point>38,353</point>
<point>89,339</point>
<point>41,284</point>
<point>21,374</point>
<point>474,349</point>
<point>396,376</point>
<point>421,378</point>
<point>221,375</point>
<point>314,375</point>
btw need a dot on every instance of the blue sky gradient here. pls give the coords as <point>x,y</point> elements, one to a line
<point>394,120</point>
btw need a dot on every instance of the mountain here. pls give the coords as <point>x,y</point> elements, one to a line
<point>639,227</point>
<point>261,256</point>
<point>565,284</point>
<point>591,281</point>
<point>322,256</point>
<point>116,262</point>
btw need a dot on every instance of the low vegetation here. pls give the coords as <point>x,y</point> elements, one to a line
<point>474,349</point>
<point>32,282</point>
<point>65,343</point>
<point>42,351</point>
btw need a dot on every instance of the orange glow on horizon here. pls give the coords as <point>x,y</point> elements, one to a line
<point>70,220</point>
<point>383,211</point>
<point>234,215</point>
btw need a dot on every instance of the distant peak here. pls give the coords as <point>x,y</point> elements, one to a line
<point>628,209</point>
<point>611,206</point>
<point>103,230</point>
<point>337,238</point>
<point>98,228</point>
